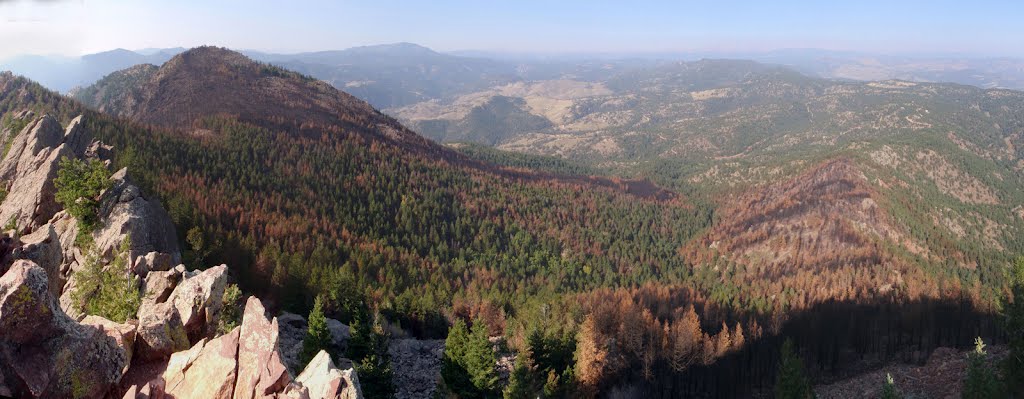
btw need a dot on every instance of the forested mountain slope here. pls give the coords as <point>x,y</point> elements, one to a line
<point>410,222</point>
<point>310,191</point>
<point>941,161</point>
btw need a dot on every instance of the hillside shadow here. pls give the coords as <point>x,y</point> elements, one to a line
<point>836,340</point>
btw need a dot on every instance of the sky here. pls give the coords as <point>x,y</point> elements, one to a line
<point>76,27</point>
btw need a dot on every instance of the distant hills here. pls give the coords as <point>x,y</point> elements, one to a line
<point>63,74</point>
<point>395,74</point>
<point>401,74</point>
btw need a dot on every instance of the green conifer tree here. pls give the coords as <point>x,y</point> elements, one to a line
<point>521,383</point>
<point>1013,366</point>
<point>480,359</point>
<point>980,382</point>
<point>368,348</point>
<point>453,370</point>
<point>792,382</point>
<point>889,390</point>
<point>468,365</point>
<point>318,336</point>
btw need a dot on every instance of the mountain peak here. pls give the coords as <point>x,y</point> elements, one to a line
<point>208,54</point>
<point>217,82</point>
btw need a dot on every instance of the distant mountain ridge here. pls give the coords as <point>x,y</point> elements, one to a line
<point>64,74</point>
<point>395,74</point>
<point>400,74</point>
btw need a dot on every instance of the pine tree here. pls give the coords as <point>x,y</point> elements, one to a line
<point>368,348</point>
<point>980,382</point>
<point>79,185</point>
<point>318,336</point>
<point>792,380</point>
<point>737,337</point>
<point>360,334</point>
<point>481,359</point>
<point>231,311</point>
<point>1013,366</point>
<point>889,390</point>
<point>375,377</point>
<point>591,356</point>
<point>468,365</point>
<point>521,383</point>
<point>723,342</point>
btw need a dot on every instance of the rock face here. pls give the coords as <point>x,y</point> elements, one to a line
<point>325,381</point>
<point>198,301</point>
<point>160,332</point>
<point>207,370</point>
<point>292,329</point>
<point>46,354</point>
<point>153,261</point>
<point>179,308</point>
<point>30,167</point>
<point>246,364</point>
<point>27,172</point>
<point>122,334</point>
<point>43,353</point>
<point>125,212</point>
<point>260,369</point>
<point>43,248</point>
<point>159,285</point>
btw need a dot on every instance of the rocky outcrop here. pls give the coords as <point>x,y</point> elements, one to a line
<point>159,285</point>
<point>207,370</point>
<point>160,332</point>
<point>27,173</point>
<point>324,381</point>
<point>170,349</point>
<point>292,330</point>
<point>44,353</point>
<point>122,334</point>
<point>153,261</point>
<point>260,369</point>
<point>198,301</point>
<point>179,308</point>
<point>246,364</point>
<point>43,248</point>
<point>30,167</point>
<point>124,211</point>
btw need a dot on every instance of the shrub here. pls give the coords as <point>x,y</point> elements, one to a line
<point>231,314</point>
<point>110,291</point>
<point>79,185</point>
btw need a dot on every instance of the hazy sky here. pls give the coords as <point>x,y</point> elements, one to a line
<point>75,27</point>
